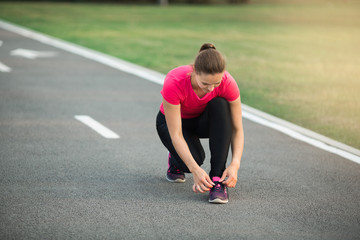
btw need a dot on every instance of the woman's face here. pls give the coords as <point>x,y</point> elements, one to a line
<point>207,82</point>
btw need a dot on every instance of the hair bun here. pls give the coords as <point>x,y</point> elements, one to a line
<point>207,46</point>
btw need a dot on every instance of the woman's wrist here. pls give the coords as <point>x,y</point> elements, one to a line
<point>194,168</point>
<point>235,164</point>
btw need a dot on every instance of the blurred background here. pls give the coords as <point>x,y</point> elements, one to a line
<point>160,2</point>
<point>297,60</point>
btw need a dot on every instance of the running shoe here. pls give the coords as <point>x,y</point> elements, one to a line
<point>218,193</point>
<point>174,174</point>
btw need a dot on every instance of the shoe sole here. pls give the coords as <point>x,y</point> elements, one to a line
<point>218,200</point>
<point>176,180</point>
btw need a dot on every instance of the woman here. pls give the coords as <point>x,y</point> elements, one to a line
<point>202,101</point>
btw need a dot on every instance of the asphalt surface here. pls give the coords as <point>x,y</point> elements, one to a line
<point>60,179</point>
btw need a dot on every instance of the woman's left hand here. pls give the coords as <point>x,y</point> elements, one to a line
<point>231,173</point>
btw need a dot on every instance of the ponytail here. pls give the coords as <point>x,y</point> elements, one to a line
<point>207,46</point>
<point>209,60</point>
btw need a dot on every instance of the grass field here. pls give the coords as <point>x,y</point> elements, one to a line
<point>297,60</point>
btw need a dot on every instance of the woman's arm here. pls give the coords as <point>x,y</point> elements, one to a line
<point>202,181</point>
<point>237,144</point>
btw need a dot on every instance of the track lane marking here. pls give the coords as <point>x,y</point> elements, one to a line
<point>97,127</point>
<point>301,137</point>
<point>32,54</point>
<point>4,68</point>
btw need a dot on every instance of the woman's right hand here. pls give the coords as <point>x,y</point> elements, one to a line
<point>202,181</point>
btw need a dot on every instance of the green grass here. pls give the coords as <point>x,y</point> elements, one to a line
<point>298,60</point>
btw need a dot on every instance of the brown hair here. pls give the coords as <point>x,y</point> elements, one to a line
<point>209,60</point>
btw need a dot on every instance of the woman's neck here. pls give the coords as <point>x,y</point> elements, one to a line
<point>198,91</point>
<point>194,84</point>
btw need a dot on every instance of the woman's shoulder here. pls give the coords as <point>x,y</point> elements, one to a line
<point>175,84</point>
<point>227,76</point>
<point>181,71</point>
<point>228,87</point>
<point>179,75</point>
<point>227,80</point>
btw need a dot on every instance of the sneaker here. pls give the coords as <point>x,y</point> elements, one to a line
<point>174,174</point>
<point>218,193</point>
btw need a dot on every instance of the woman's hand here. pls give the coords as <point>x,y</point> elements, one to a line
<point>231,173</point>
<point>202,181</point>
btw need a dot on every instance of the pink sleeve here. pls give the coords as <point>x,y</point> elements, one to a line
<point>170,90</point>
<point>230,90</point>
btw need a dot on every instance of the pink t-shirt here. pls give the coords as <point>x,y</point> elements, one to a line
<point>177,90</point>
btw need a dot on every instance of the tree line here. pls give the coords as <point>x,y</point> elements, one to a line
<point>159,2</point>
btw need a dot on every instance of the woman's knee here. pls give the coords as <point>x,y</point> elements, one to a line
<point>219,106</point>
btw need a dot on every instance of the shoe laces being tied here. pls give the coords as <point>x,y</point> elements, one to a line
<point>219,186</point>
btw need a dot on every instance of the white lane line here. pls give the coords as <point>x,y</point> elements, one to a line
<point>301,137</point>
<point>96,126</point>
<point>1,43</point>
<point>32,54</point>
<point>150,75</point>
<point>4,68</point>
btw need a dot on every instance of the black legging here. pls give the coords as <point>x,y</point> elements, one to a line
<point>214,123</point>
